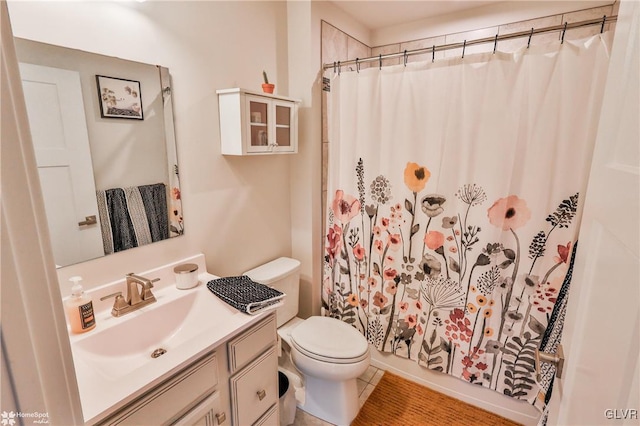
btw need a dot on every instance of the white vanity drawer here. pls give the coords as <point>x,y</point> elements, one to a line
<point>271,418</point>
<point>254,390</point>
<point>208,413</point>
<point>244,348</point>
<point>173,398</point>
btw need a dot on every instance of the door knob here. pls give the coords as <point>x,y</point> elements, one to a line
<point>556,359</point>
<point>88,220</point>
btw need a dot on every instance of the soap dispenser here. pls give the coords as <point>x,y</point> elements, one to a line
<point>79,308</point>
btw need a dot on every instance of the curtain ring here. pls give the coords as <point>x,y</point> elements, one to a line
<point>529,42</point>
<point>380,58</point>
<point>405,57</point>
<point>464,46</point>
<point>495,44</point>
<point>357,65</point>
<point>563,31</point>
<point>339,68</point>
<point>433,53</point>
<point>604,19</point>
<point>334,67</point>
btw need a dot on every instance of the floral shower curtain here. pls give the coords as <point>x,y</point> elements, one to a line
<point>454,199</point>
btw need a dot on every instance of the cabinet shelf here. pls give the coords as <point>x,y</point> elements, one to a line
<point>254,123</point>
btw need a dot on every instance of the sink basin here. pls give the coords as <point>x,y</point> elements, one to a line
<point>127,345</point>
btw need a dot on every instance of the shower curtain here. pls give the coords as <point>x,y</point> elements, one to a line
<point>454,198</point>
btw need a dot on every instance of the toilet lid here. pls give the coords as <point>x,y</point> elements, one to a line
<point>327,338</point>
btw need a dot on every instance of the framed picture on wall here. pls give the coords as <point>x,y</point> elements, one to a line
<point>119,98</point>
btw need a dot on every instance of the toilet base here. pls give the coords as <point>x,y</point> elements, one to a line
<point>331,401</point>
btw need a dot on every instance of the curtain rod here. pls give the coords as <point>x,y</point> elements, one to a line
<point>564,27</point>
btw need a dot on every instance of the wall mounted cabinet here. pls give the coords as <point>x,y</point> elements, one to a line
<point>257,123</point>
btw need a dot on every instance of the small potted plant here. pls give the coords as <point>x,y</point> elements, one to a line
<point>266,86</point>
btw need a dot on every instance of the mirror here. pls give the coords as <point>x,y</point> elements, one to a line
<point>103,134</point>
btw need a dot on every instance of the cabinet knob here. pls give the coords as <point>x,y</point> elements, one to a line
<point>221,417</point>
<point>261,394</point>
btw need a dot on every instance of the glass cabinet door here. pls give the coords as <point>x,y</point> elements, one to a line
<point>284,114</point>
<point>258,123</point>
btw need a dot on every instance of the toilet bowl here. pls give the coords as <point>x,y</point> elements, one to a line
<point>329,353</point>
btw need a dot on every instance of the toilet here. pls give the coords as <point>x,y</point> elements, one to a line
<point>329,354</point>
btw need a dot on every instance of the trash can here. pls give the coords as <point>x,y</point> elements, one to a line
<point>287,399</point>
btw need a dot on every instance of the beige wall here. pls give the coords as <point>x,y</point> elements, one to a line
<point>485,26</point>
<point>237,211</point>
<point>304,34</point>
<point>487,16</point>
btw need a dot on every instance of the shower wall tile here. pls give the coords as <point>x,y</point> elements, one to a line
<point>515,44</point>
<point>616,7</point>
<point>324,215</point>
<point>585,15</point>
<point>421,44</point>
<point>470,35</point>
<point>385,50</point>
<point>325,118</point>
<point>334,44</point>
<point>357,49</point>
<point>325,155</point>
<point>614,12</point>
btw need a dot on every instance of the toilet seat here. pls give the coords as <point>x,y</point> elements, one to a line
<point>329,340</point>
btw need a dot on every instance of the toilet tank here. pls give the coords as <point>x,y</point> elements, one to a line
<point>283,274</point>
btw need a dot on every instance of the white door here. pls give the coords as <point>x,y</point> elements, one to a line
<point>55,110</point>
<point>600,338</point>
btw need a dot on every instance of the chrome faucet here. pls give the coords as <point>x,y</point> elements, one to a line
<point>135,299</point>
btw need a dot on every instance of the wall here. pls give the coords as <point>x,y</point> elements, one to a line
<point>236,210</point>
<point>487,22</point>
<point>124,152</point>
<point>37,368</point>
<point>491,15</point>
<point>304,29</point>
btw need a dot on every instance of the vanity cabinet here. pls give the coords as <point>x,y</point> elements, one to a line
<point>254,123</point>
<point>253,385</point>
<point>236,383</point>
<point>190,397</point>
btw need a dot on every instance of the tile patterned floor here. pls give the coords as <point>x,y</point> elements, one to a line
<point>366,383</point>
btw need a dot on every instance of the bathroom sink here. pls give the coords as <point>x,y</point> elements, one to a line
<point>140,340</point>
<point>128,344</point>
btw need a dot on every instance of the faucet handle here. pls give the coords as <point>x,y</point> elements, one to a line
<point>117,295</point>
<point>118,304</point>
<point>146,289</point>
<point>149,284</point>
